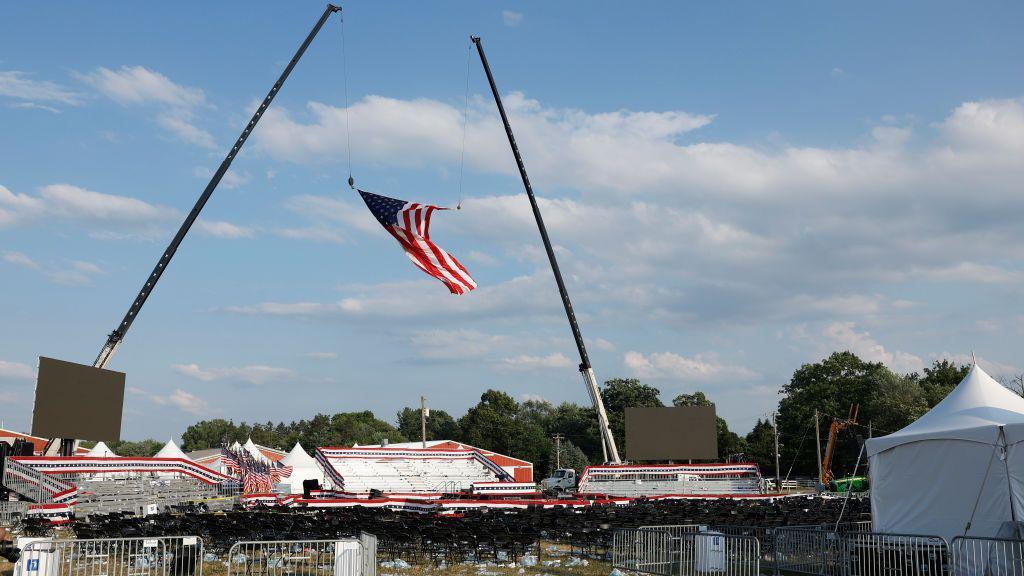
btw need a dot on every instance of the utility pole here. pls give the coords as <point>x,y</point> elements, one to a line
<point>778,476</point>
<point>558,450</point>
<point>817,443</point>
<point>423,419</point>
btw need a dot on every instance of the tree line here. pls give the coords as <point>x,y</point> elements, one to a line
<point>887,402</point>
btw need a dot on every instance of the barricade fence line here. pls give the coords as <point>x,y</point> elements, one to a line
<point>341,557</point>
<point>163,556</point>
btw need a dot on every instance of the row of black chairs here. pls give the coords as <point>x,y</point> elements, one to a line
<point>477,534</point>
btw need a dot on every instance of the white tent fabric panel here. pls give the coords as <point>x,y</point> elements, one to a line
<point>931,488</point>
<point>298,457</point>
<point>927,478</point>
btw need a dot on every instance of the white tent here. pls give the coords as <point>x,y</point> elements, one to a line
<point>304,467</point>
<point>171,450</point>
<point>101,450</point>
<point>254,451</point>
<point>961,462</point>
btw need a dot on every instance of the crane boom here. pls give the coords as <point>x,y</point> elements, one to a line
<point>115,337</point>
<point>586,370</point>
<point>67,445</point>
<point>838,425</point>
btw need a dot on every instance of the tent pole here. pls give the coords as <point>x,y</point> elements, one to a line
<point>1009,483</point>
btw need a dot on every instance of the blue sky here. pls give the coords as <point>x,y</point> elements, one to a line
<point>734,189</point>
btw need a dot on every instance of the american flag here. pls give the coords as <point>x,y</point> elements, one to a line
<point>280,471</point>
<point>409,223</point>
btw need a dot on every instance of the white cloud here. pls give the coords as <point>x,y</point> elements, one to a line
<point>527,397</point>
<point>35,106</point>
<point>20,259</point>
<point>73,202</point>
<point>220,229</point>
<point>456,345</point>
<point>523,296</point>
<point>991,366</point>
<point>184,401</point>
<point>74,272</point>
<point>844,336</point>
<point>106,214</point>
<point>313,233</point>
<point>180,125</point>
<point>321,355</point>
<point>18,85</point>
<point>16,371</point>
<point>256,374</point>
<point>232,179</point>
<point>530,362</point>
<point>138,85</point>
<point>511,18</point>
<point>669,365</point>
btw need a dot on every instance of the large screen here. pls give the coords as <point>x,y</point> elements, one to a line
<point>677,433</point>
<point>77,401</point>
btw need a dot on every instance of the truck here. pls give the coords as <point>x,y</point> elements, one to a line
<point>561,481</point>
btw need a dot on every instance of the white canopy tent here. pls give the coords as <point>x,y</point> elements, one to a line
<point>962,462</point>
<point>171,450</point>
<point>254,451</point>
<point>304,467</point>
<point>101,450</point>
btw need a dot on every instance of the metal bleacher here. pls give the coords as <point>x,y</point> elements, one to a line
<point>136,495</point>
<point>413,475</point>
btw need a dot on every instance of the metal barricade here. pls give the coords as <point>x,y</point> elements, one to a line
<point>645,550</point>
<point>342,557</point>
<point>765,537</point>
<point>716,553</point>
<point>986,557</point>
<point>806,550</point>
<point>873,554</point>
<point>165,556</point>
<point>11,512</point>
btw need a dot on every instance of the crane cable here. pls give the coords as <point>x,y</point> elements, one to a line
<point>465,124</point>
<point>348,130</point>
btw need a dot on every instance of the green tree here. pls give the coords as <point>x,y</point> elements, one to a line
<point>141,448</point>
<point>761,446</point>
<point>349,428</point>
<point>571,457</point>
<point>579,426</point>
<point>940,379</point>
<point>208,434</point>
<point>898,401</point>
<point>830,386</point>
<point>440,424</point>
